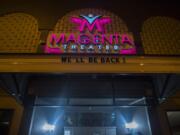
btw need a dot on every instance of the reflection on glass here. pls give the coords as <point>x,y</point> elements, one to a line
<point>174,121</point>
<point>90,121</point>
<point>67,132</point>
<point>5,119</point>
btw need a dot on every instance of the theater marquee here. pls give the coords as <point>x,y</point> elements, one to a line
<point>91,37</point>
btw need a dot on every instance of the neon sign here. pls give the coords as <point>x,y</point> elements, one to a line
<point>90,37</point>
<point>91,22</point>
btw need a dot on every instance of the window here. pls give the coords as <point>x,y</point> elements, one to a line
<point>67,132</point>
<point>174,121</point>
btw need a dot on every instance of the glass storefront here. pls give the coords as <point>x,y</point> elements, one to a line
<point>90,120</point>
<point>89,68</point>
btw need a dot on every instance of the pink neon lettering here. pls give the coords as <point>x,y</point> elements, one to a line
<point>116,36</point>
<point>125,39</point>
<point>97,39</point>
<point>105,39</point>
<point>92,38</point>
<point>103,21</point>
<point>84,39</point>
<point>71,38</point>
<point>54,40</point>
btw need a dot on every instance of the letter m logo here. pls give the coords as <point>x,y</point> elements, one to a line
<point>91,23</point>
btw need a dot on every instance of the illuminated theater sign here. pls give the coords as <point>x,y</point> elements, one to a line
<point>90,36</point>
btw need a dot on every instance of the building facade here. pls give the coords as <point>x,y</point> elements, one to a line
<point>94,68</point>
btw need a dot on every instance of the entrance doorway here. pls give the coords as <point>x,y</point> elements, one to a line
<point>94,119</point>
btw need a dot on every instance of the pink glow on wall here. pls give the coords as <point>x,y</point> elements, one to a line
<point>59,43</point>
<point>128,51</point>
<point>52,50</point>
